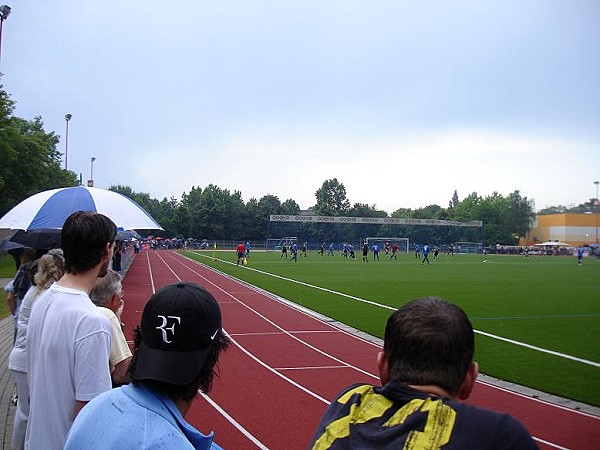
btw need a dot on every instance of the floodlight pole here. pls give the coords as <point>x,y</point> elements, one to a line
<point>91,182</point>
<point>67,118</point>
<point>4,13</point>
<point>597,204</point>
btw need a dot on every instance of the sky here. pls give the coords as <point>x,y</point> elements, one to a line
<point>402,102</point>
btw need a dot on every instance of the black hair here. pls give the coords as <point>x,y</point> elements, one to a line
<point>429,341</point>
<point>83,239</point>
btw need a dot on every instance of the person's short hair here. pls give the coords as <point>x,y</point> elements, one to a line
<point>429,341</point>
<point>106,287</point>
<point>50,268</point>
<point>178,343</point>
<point>83,240</point>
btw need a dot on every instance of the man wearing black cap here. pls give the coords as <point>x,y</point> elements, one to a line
<point>177,347</point>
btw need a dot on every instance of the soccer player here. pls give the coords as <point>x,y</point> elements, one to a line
<point>304,248</point>
<point>375,252</point>
<point>322,251</point>
<point>425,254</point>
<point>294,252</point>
<point>284,250</point>
<point>365,252</point>
<point>241,252</point>
<point>436,250</point>
<point>330,253</point>
<point>394,251</point>
<point>386,248</point>
<point>417,251</point>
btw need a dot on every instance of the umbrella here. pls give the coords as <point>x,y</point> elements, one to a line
<point>50,209</point>
<point>128,235</point>
<point>42,239</point>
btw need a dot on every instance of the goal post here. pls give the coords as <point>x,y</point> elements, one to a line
<point>468,247</point>
<point>276,244</point>
<point>403,243</point>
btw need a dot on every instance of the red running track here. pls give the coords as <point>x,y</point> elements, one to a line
<point>285,365</point>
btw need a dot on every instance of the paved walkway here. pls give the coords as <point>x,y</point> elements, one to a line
<point>7,385</point>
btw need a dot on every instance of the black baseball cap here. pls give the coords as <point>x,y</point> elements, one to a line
<point>180,324</point>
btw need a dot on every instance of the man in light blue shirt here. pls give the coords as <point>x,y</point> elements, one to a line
<point>177,348</point>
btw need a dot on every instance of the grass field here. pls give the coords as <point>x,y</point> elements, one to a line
<point>548,303</point>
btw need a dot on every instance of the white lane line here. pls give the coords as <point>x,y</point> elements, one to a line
<point>150,272</point>
<point>234,422</point>
<point>311,368</point>
<point>538,400</point>
<point>280,333</point>
<point>550,443</point>
<point>280,375</point>
<point>542,350</point>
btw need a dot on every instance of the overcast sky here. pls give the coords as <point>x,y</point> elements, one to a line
<point>402,102</point>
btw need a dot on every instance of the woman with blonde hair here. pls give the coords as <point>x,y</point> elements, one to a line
<point>50,268</point>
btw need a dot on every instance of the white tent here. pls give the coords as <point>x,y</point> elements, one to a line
<point>553,244</point>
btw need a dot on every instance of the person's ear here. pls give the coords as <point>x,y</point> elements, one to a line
<point>382,368</point>
<point>469,381</point>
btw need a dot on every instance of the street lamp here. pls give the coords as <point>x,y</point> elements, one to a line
<point>4,13</point>
<point>67,118</point>
<point>597,204</point>
<point>91,180</point>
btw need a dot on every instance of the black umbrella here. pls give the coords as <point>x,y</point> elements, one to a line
<point>42,239</point>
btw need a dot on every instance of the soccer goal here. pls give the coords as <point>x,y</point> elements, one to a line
<point>468,247</point>
<point>276,244</point>
<point>402,242</point>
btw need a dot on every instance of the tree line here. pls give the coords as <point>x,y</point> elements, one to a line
<point>31,163</point>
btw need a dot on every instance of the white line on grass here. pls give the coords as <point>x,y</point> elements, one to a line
<point>358,299</point>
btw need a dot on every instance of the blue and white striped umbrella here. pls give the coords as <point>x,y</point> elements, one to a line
<point>50,209</point>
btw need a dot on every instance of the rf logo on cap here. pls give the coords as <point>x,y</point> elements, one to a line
<point>163,329</point>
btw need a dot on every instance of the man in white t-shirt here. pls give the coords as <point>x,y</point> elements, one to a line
<point>68,339</point>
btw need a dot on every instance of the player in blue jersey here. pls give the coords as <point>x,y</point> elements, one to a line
<point>580,255</point>
<point>330,252</point>
<point>294,252</point>
<point>425,254</point>
<point>417,251</point>
<point>417,405</point>
<point>375,249</point>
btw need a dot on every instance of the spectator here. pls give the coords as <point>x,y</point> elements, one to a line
<point>426,365</point>
<point>177,348</point>
<point>68,339</point>
<point>49,268</point>
<point>21,285</point>
<point>107,294</point>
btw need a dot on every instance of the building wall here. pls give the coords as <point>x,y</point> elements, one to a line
<point>573,229</point>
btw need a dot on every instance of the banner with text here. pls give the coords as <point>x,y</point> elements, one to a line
<point>373,220</point>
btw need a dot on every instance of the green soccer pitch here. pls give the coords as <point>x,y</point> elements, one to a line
<point>537,319</point>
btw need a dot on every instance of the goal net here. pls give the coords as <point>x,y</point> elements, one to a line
<point>402,242</point>
<point>468,247</point>
<point>276,244</point>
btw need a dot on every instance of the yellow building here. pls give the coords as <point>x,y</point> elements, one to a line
<point>572,229</point>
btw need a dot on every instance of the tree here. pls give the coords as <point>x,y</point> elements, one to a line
<point>30,160</point>
<point>331,199</point>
